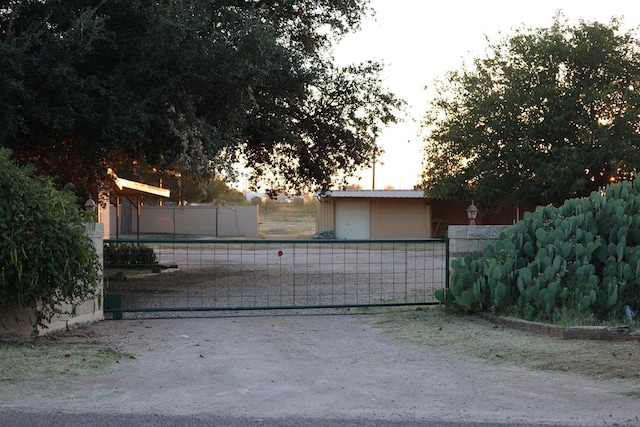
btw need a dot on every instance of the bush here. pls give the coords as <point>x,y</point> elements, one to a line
<point>579,260</point>
<point>126,255</point>
<point>46,257</point>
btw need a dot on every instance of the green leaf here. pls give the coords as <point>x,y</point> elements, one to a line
<point>525,274</point>
<point>528,249</point>
<point>549,272</point>
<point>541,235</point>
<point>466,299</point>
<point>620,251</point>
<point>567,249</point>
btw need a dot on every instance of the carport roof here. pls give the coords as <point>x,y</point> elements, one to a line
<point>379,194</point>
<point>127,187</point>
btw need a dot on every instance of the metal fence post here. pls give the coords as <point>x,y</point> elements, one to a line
<point>446,261</point>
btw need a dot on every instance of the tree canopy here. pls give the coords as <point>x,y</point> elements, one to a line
<point>188,85</point>
<point>547,114</point>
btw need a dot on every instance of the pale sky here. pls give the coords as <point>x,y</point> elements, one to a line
<point>420,41</point>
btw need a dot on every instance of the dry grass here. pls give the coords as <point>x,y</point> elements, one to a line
<point>287,225</point>
<point>46,362</point>
<point>469,336</point>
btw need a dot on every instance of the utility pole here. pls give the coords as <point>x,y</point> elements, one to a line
<point>373,169</point>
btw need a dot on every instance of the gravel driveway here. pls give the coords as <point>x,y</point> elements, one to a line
<point>329,366</point>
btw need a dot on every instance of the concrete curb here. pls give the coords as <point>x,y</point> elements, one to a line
<point>604,333</point>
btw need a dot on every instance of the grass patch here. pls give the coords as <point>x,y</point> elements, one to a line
<point>470,336</point>
<point>25,362</point>
<point>567,319</point>
<point>46,363</point>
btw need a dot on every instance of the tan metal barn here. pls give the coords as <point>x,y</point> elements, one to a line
<point>401,214</point>
<point>376,214</point>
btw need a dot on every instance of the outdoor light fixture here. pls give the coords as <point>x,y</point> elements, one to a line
<point>472,213</point>
<point>90,207</point>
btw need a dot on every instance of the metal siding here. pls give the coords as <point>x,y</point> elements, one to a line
<point>399,218</point>
<point>325,218</point>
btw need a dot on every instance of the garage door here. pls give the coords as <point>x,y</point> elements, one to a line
<point>352,219</point>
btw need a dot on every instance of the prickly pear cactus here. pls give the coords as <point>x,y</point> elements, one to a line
<point>581,257</point>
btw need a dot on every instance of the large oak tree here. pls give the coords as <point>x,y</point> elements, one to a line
<point>546,114</point>
<point>190,85</point>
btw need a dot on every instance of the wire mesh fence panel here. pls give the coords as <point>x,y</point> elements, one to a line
<point>200,275</point>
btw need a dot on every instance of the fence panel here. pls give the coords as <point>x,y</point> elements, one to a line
<point>218,274</point>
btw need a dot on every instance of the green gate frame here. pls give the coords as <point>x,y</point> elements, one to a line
<point>113,302</point>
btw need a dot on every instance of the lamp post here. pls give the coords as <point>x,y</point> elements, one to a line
<point>90,208</point>
<point>472,213</point>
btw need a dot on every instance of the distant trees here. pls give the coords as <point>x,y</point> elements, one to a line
<point>211,190</point>
<point>191,86</point>
<point>547,114</point>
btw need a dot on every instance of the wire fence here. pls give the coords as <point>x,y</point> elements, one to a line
<point>217,274</point>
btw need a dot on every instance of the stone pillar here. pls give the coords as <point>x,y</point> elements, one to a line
<point>91,310</point>
<point>88,311</point>
<point>467,239</point>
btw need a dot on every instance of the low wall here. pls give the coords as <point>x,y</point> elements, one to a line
<point>89,311</point>
<point>467,239</point>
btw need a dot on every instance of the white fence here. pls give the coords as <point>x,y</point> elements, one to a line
<point>207,220</point>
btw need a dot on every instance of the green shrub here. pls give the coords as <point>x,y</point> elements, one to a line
<point>129,255</point>
<point>581,259</point>
<point>46,257</point>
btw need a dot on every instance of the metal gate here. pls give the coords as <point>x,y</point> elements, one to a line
<point>177,275</point>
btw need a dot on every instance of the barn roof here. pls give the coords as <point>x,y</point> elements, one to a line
<point>378,194</point>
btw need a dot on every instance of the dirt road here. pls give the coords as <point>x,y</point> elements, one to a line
<point>319,366</point>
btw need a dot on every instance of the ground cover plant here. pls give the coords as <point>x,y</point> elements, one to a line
<point>578,260</point>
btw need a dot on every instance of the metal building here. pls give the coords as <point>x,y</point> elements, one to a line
<point>376,214</point>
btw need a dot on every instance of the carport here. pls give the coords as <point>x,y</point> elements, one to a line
<point>133,190</point>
